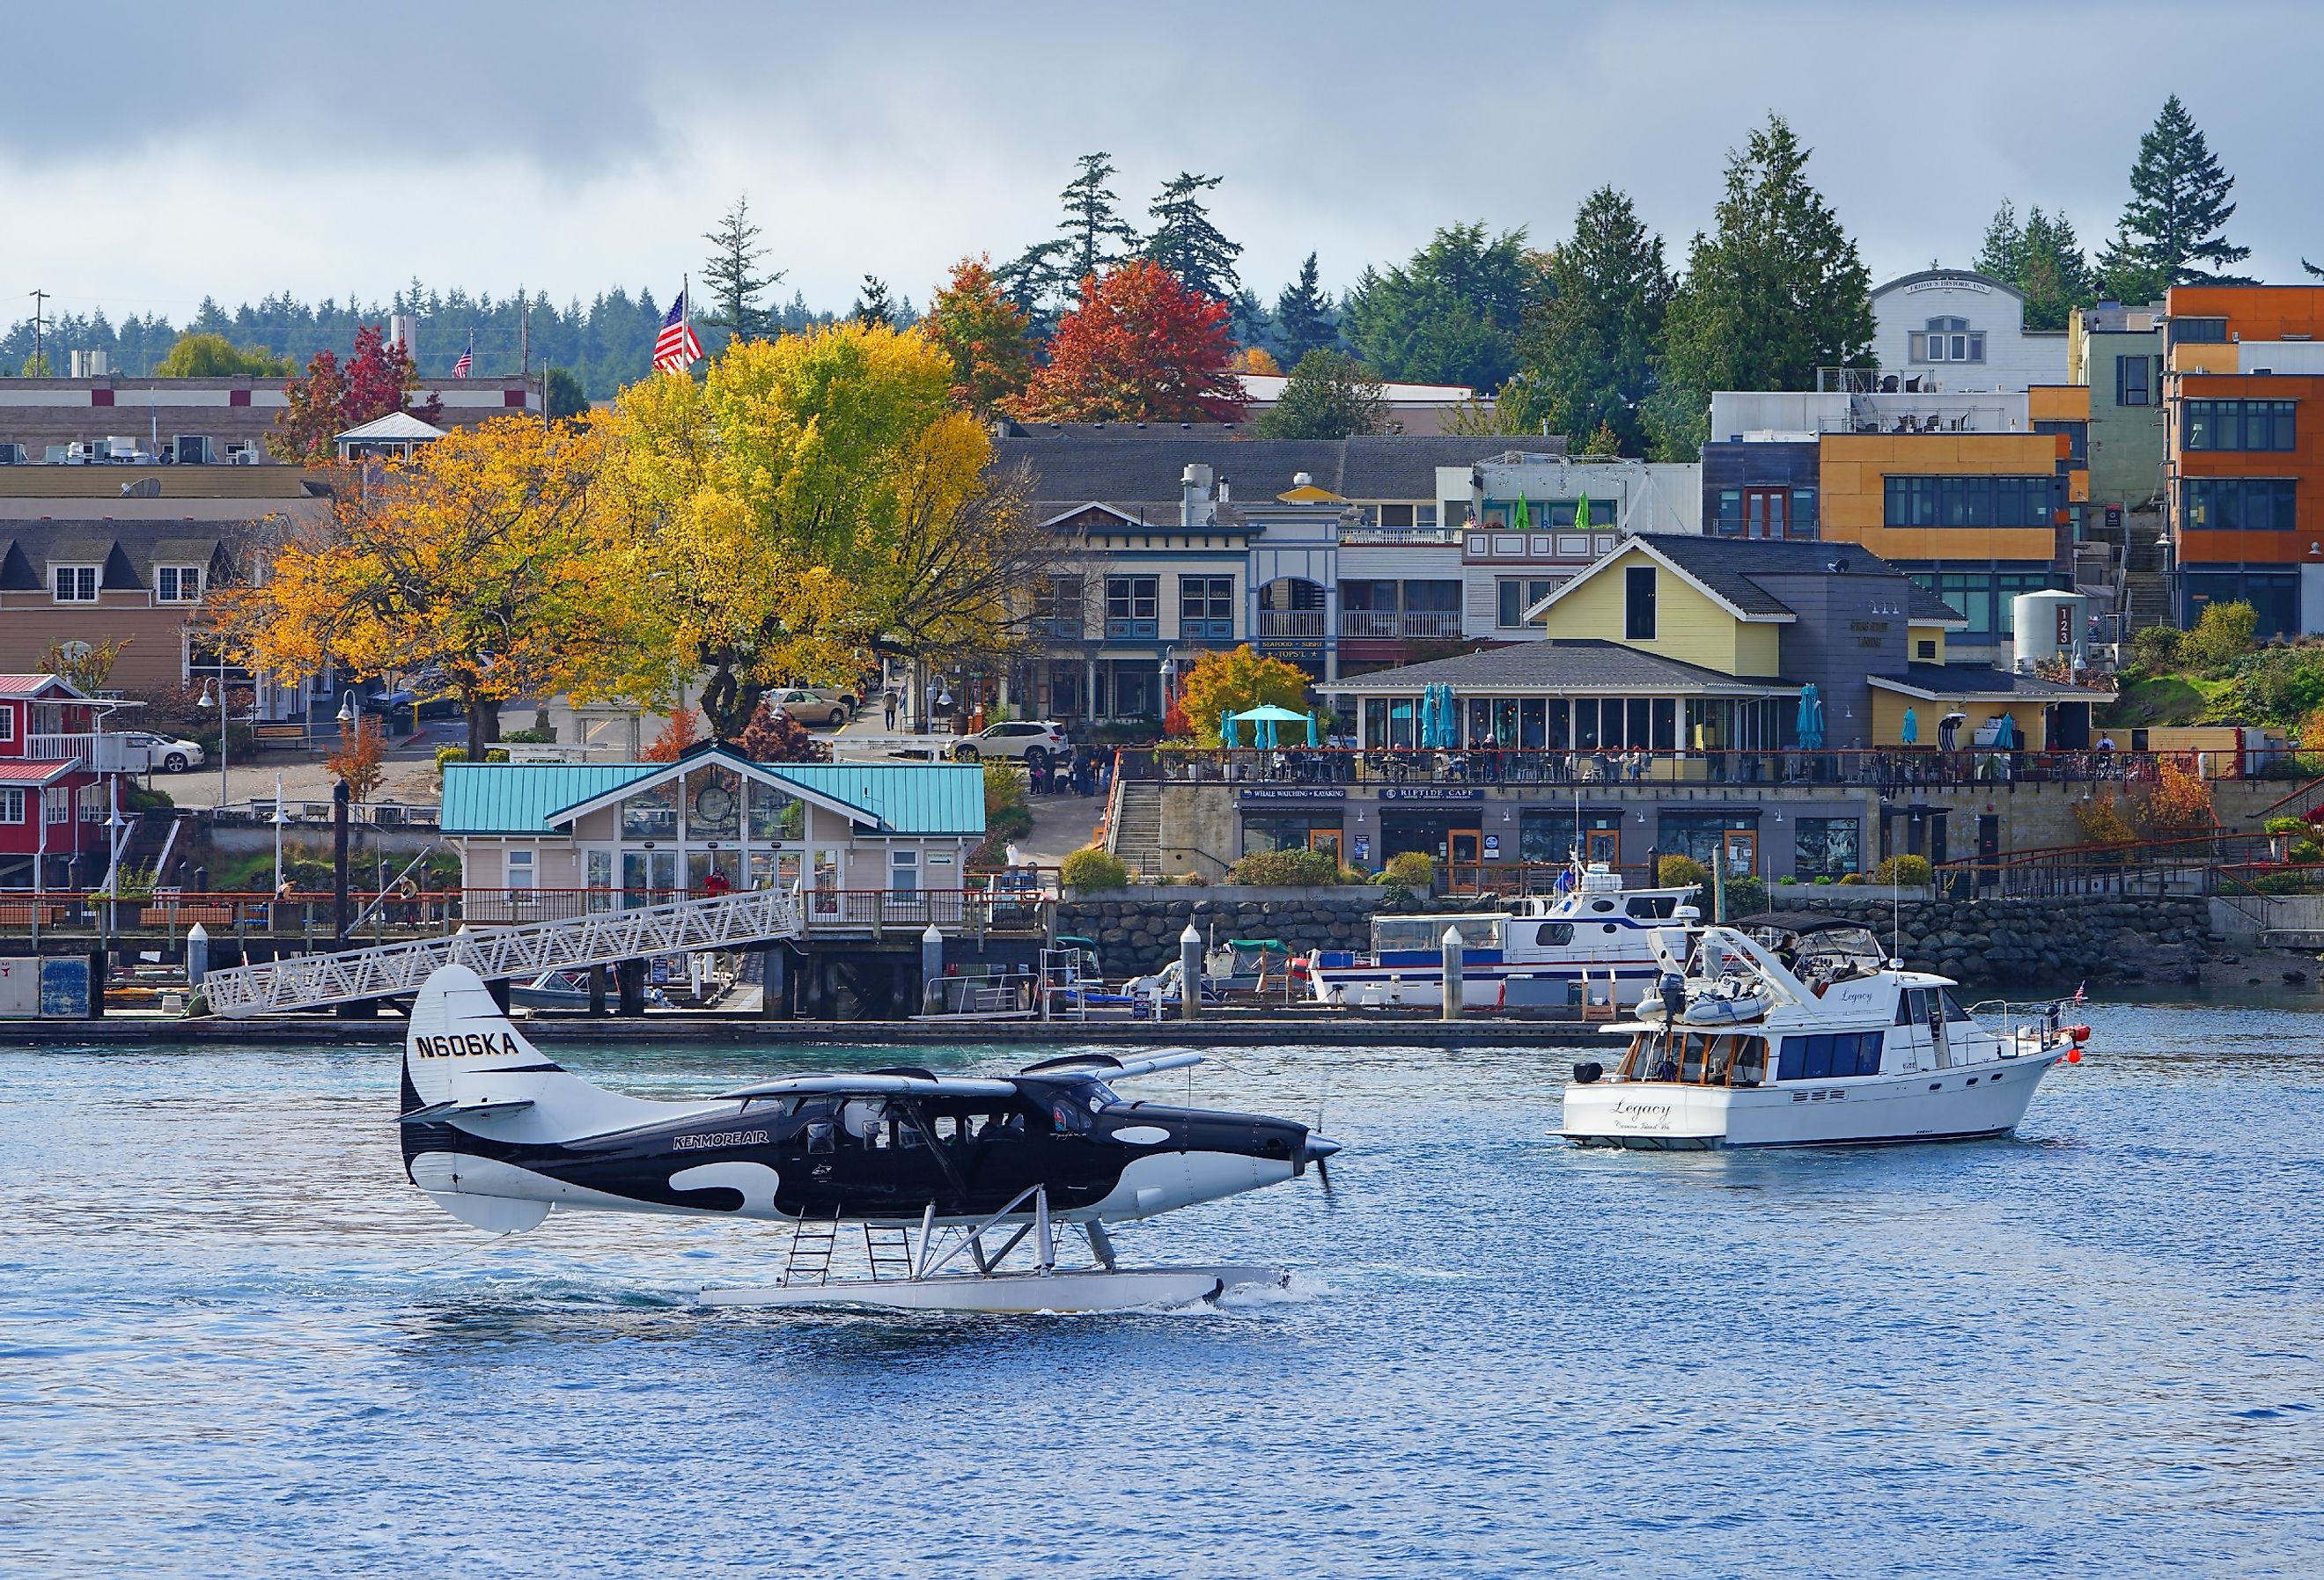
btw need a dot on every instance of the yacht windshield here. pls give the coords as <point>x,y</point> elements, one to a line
<point>1697,1059</point>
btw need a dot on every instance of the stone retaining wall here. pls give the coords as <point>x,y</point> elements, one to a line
<point>2007,945</point>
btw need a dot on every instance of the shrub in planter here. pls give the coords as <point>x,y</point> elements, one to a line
<point>1286,869</point>
<point>1092,868</point>
<point>1851,877</point>
<point>1746,896</point>
<point>2286,826</point>
<point>1676,872</point>
<point>1786,881</point>
<point>2306,850</point>
<point>1903,871</point>
<point>1412,869</point>
<point>1825,878</point>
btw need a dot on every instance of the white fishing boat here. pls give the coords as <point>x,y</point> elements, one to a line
<point>1589,944</point>
<point>1809,1036</point>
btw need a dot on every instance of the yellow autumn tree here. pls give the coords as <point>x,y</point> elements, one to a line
<point>482,557</point>
<point>814,500</point>
<point>1237,681</point>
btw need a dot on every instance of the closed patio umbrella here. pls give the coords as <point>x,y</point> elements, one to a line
<point>1313,739</point>
<point>1910,733</point>
<point>2005,733</point>
<point>1810,719</point>
<point>1227,728</point>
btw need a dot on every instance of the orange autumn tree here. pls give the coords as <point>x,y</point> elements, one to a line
<point>1235,682</point>
<point>481,557</point>
<point>2181,801</point>
<point>986,335</point>
<point>1139,347</point>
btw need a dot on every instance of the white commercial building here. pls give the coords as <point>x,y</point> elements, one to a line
<point>1954,330</point>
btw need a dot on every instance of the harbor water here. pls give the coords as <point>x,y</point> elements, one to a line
<point>233,1340</point>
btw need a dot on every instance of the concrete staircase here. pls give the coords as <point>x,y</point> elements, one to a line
<point>1135,835</point>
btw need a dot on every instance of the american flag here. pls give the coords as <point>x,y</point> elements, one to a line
<point>675,348</point>
<point>467,359</point>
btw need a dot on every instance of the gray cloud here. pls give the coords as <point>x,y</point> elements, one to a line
<point>314,148</point>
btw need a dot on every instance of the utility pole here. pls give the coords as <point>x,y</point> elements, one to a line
<point>39,298</point>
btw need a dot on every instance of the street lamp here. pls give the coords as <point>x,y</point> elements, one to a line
<point>280,819</point>
<point>220,703</point>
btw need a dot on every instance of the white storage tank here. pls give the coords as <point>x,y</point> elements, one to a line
<point>2049,626</point>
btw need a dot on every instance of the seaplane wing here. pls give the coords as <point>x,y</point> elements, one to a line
<point>874,1084</point>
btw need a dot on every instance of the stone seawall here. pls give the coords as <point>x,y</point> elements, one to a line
<point>2007,944</point>
<point>2034,944</point>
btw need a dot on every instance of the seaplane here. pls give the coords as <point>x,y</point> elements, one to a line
<point>960,1186</point>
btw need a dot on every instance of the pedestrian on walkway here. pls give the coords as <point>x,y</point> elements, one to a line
<point>889,709</point>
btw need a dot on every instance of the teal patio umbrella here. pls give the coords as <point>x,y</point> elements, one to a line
<point>1314,738</point>
<point>2005,733</point>
<point>1811,720</point>
<point>1227,728</point>
<point>1263,720</point>
<point>1909,732</point>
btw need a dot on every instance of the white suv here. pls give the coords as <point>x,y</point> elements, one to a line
<point>1029,741</point>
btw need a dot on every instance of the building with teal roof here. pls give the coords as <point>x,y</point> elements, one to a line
<point>633,833</point>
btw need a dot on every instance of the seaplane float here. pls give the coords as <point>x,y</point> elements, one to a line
<point>1808,1035</point>
<point>960,1186</point>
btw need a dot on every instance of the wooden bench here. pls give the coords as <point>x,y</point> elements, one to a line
<point>279,735</point>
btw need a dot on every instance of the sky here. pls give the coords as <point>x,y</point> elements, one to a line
<point>319,150</point>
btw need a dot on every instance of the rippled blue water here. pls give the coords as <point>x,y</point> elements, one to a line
<point>233,1340</point>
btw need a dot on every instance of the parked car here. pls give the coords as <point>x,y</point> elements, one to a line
<point>812,706</point>
<point>1029,741</point>
<point>166,752</point>
<point>430,704</point>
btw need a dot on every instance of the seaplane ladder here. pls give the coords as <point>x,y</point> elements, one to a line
<point>810,1255</point>
<point>718,922</point>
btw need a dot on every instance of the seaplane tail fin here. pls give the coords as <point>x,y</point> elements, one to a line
<point>465,1062</point>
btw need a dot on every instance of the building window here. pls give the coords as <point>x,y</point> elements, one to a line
<point>904,871</point>
<point>2239,505</point>
<point>2078,435</point>
<point>1517,597</point>
<point>1728,516</point>
<point>1948,340</point>
<point>1969,501</point>
<point>1924,651</point>
<point>56,804</point>
<point>1983,597</point>
<point>1395,516</point>
<point>2133,385</point>
<point>2273,595</point>
<point>2239,425</point>
<point>1057,606</point>
<point>177,584</point>
<point>93,803</point>
<point>1132,606</point>
<point>1206,608</point>
<point>7,723</point>
<point>2199,331</point>
<point>12,805</point>
<point>518,870</point>
<point>74,583</point>
<point>1803,512</point>
<point>1825,847</point>
<point>1638,604</point>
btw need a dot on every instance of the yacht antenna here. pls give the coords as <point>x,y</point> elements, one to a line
<point>1896,923</point>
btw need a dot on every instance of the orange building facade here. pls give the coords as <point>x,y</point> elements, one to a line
<point>1976,518</point>
<point>2244,447</point>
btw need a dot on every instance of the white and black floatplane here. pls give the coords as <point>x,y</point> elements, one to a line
<point>960,1186</point>
<point>1808,1035</point>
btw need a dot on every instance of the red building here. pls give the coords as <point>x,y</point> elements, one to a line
<point>54,802</point>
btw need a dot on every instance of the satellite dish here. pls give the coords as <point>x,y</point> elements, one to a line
<point>143,488</point>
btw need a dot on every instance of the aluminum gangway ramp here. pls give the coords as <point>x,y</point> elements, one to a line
<point>305,981</point>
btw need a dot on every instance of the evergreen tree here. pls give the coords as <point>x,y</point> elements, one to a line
<point>2171,230</point>
<point>1303,319</point>
<point>1093,232</point>
<point>2052,270</point>
<point>1250,322</point>
<point>730,278</point>
<point>1776,291</point>
<point>1327,396</point>
<point>873,306</point>
<point>2003,252</point>
<point>1451,314</point>
<point>1187,244</point>
<point>1590,347</point>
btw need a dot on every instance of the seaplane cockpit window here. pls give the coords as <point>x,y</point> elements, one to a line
<point>1068,1115</point>
<point>1100,1096</point>
<point>863,1120</point>
<point>770,1107</point>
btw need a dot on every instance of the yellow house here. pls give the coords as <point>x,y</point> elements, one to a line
<point>1646,596</point>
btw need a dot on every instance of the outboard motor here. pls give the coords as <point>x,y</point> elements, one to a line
<point>1587,1072</point>
<point>1672,993</point>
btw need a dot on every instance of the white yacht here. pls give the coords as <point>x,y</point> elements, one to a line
<point>1807,1037</point>
<point>1587,944</point>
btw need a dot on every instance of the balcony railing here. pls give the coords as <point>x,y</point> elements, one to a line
<point>99,752</point>
<point>1291,623</point>
<point>1397,537</point>
<point>1390,623</point>
<point>1207,631</point>
<point>1132,630</point>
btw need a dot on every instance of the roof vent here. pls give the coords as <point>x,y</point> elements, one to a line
<point>1302,480</point>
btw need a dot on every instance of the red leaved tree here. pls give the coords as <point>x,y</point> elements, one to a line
<point>1140,348</point>
<point>772,736</point>
<point>333,397</point>
<point>985,335</point>
<point>679,736</point>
